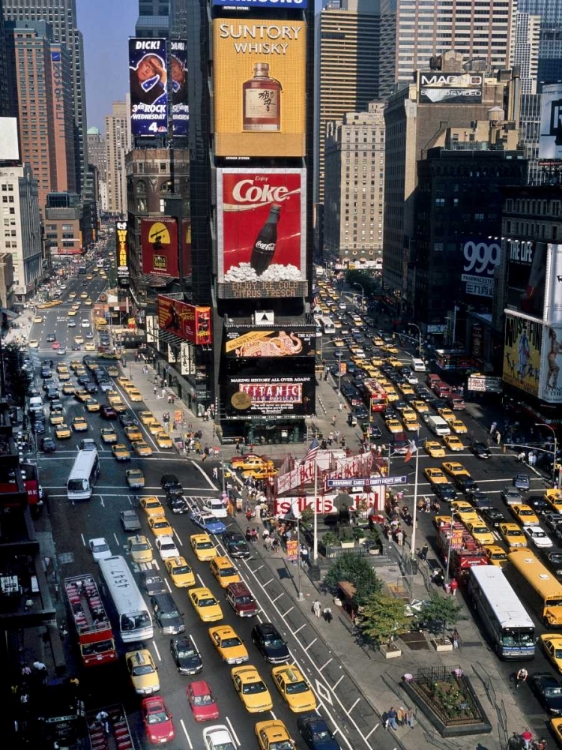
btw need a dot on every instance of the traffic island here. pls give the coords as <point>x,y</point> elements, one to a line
<point>448,700</point>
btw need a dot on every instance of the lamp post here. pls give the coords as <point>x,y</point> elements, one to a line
<point>413,325</point>
<point>554,454</point>
<point>362,292</point>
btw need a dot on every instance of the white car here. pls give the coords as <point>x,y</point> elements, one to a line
<point>215,506</point>
<point>71,324</point>
<point>85,324</point>
<point>166,547</point>
<point>99,548</point>
<point>218,738</point>
<point>538,537</point>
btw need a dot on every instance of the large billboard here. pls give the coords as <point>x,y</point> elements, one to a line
<point>255,397</point>
<point>178,68</point>
<point>287,342</point>
<point>553,286</point>
<point>189,322</point>
<point>522,353</point>
<point>526,272</point>
<point>148,86</point>
<point>481,257</point>
<point>261,226</point>
<point>259,81</point>
<point>436,87</point>
<point>279,4</point>
<point>121,229</point>
<point>550,144</point>
<point>159,240</point>
<point>551,382</point>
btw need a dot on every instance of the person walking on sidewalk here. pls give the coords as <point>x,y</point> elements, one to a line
<point>391,718</point>
<point>424,551</point>
<point>215,472</point>
<point>317,608</point>
<point>521,677</point>
<point>454,586</point>
<point>328,616</point>
<point>527,737</point>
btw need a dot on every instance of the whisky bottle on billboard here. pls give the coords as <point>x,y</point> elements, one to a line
<point>264,246</point>
<point>262,101</point>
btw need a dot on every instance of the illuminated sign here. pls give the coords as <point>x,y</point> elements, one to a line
<point>121,229</point>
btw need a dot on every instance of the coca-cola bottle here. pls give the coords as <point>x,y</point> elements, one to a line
<point>264,246</point>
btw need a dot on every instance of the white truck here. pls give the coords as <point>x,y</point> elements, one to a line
<point>438,426</point>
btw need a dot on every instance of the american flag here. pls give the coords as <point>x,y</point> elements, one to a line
<point>312,450</point>
<point>412,448</point>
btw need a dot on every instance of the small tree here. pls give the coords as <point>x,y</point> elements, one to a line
<point>384,618</point>
<point>358,572</point>
<point>307,515</point>
<point>443,609</point>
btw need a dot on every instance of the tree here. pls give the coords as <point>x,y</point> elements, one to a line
<point>358,572</point>
<point>443,609</point>
<point>384,618</point>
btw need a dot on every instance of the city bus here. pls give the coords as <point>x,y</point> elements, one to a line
<point>538,585</point>
<point>92,625</point>
<point>504,618</point>
<point>376,398</point>
<point>83,476</point>
<point>327,324</point>
<point>135,623</point>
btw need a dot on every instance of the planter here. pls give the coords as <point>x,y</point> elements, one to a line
<point>374,551</point>
<point>390,651</point>
<point>348,544</point>
<point>442,644</point>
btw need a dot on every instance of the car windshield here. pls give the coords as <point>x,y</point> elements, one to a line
<point>180,569</point>
<point>514,532</point>
<point>273,642</point>
<point>243,599</point>
<point>169,615</point>
<point>204,545</point>
<point>297,687</point>
<point>230,642</point>
<point>157,718</point>
<point>135,621</point>
<point>480,530</point>
<point>203,700</point>
<point>554,602</point>
<point>206,602</point>
<point>100,548</point>
<point>227,572</point>
<point>185,652</point>
<point>139,546</point>
<point>254,688</point>
<point>168,546</point>
<point>526,513</point>
<point>282,745</point>
<point>78,484</point>
<point>553,692</point>
<point>141,670</point>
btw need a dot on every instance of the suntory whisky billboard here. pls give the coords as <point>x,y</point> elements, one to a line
<point>261,229</point>
<point>259,87</point>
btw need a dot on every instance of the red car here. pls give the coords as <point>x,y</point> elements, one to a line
<point>157,721</point>
<point>56,345</point>
<point>202,701</point>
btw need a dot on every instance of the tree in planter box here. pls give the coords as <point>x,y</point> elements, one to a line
<point>384,618</point>
<point>442,609</point>
<point>356,570</point>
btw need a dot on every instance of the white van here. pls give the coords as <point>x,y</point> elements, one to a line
<point>418,365</point>
<point>438,426</point>
<point>35,403</point>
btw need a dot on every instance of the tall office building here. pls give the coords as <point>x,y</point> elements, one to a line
<point>347,76</point>
<point>61,15</point>
<point>4,83</point>
<point>526,50</point>
<point>118,143</point>
<point>550,44</point>
<point>154,19</point>
<point>97,158</point>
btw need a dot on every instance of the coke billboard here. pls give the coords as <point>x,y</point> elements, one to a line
<point>261,233</point>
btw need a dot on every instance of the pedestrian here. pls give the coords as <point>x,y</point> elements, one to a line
<point>400,537</point>
<point>265,534</point>
<point>317,608</point>
<point>527,737</point>
<point>455,638</point>
<point>102,717</point>
<point>155,390</point>
<point>38,667</point>
<point>400,716</point>
<point>541,744</point>
<point>424,551</point>
<point>498,437</point>
<point>409,718</point>
<point>515,742</point>
<point>334,419</point>
<point>493,427</point>
<point>454,586</point>
<point>521,677</point>
<point>392,716</point>
<point>340,407</point>
<point>328,616</point>
<point>215,472</point>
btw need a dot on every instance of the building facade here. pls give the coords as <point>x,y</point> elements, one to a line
<point>354,186</point>
<point>5,109</point>
<point>154,19</point>
<point>118,143</point>
<point>526,50</point>
<point>97,157</point>
<point>69,228</point>
<point>7,293</point>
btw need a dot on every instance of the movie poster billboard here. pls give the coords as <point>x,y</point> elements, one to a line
<point>259,82</point>
<point>481,257</point>
<point>526,272</point>
<point>254,397</point>
<point>147,82</point>
<point>436,87</point>
<point>550,143</point>
<point>553,286</point>
<point>288,342</point>
<point>180,106</point>
<point>159,241</point>
<point>188,322</point>
<point>522,353</point>
<point>551,362</point>
<point>261,226</point>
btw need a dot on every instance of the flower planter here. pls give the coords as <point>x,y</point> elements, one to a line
<point>348,545</point>
<point>390,651</point>
<point>442,644</point>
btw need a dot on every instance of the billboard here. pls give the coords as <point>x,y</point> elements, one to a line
<point>484,383</point>
<point>148,83</point>
<point>481,258</point>
<point>261,226</point>
<point>553,286</point>
<point>522,353</point>
<point>189,322</point>
<point>159,240</point>
<point>289,342</point>
<point>178,69</point>
<point>550,144</point>
<point>122,249</point>
<point>259,82</point>
<point>279,4</point>
<point>9,147</point>
<point>255,397</point>
<point>550,381</point>
<point>436,87</point>
<point>526,272</point>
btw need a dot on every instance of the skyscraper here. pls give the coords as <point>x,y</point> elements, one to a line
<point>550,44</point>
<point>154,19</point>
<point>4,85</point>
<point>348,67</point>
<point>118,143</point>
<point>61,15</point>
<point>526,50</point>
<point>97,158</point>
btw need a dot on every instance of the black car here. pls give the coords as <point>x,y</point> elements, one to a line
<point>51,337</point>
<point>466,484</point>
<point>38,427</point>
<point>186,656</point>
<point>128,421</point>
<point>55,405</point>
<point>480,450</point>
<point>177,504</point>
<point>270,644</point>
<point>359,412</point>
<point>153,583</point>
<point>445,491</point>
<point>90,387</point>
<point>169,480</point>
<point>316,733</point>
<point>52,394</point>
<point>48,445</point>
<point>548,691</point>
<point>493,517</point>
<point>236,545</point>
<point>167,614</point>
<point>481,501</point>
<point>553,558</point>
<point>46,373</point>
<point>175,489</point>
<point>538,504</point>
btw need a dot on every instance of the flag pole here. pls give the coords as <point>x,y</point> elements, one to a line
<point>315,530</point>
<point>415,513</point>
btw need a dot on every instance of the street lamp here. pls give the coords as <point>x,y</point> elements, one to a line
<point>413,325</point>
<point>555,454</point>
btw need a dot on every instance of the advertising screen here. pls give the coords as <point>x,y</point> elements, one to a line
<point>480,258</point>
<point>180,107</point>
<point>522,353</point>
<point>550,144</point>
<point>122,250</point>
<point>269,396</point>
<point>259,87</point>
<point>436,87</point>
<point>553,284</point>
<point>261,232</point>
<point>288,342</point>
<point>147,83</point>
<point>159,239</point>
<point>189,322</point>
<point>279,4</point>
<point>526,271</point>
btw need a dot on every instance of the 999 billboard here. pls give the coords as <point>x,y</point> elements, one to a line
<point>269,396</point>
<point>148,78</point>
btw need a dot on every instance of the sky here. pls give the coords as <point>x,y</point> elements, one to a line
<point>106,26</point>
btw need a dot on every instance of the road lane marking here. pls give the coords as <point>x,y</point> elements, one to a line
<point>338,682</point>
<point>323,691</point>
<point>83,540</point>
<point>279,597</point>
<point>207,478</point>
<point>168,585</point>
<point>201,581</point>
<point>352,707</point>
<point>235,736</point>
<point>177,536</point>
<point>158,652</point>
<point>372,730</point>
<point>116,539</point>
<point>186,734</point>
<point>311,644</point>
<point>326,664</point>
<point>102,502</point>
<point>298,630</point>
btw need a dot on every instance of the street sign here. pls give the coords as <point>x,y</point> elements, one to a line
<point>369,481</point>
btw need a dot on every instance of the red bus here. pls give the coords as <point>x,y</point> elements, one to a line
<point>375,395</point>
<point>93,628</point>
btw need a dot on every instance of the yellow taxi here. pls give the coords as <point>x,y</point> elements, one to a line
<point>119,406</point>
<point>512,535</point>
<point>228,644</point>
<point>496,555</point>
<point>90,276</point>
<point>33,344</point>
<point>121,453</point>
<point>142,671</point>
<point>554,498</point>
<point>160,526</point>
<point>68,389</point>
<point>525,515</point>
<point>113,371</point>
<point>179,571</point>
<point>88,302</point>
<point>391,395</point>
<point>163,440</point>
<point>435,476</point>
<point>420,406</point>
<point>480,531</point>
<point>79,370</point>
<point>56,417</point>
<point>439,520</point>
<point>556,726</point>
<point>252,691</point>
<point>72,295</point>
<point>251,462</point>
<point>394,426</point>
<point>38,319</point>
<point>108,435</point>
<point>146,417</point>
<point>90,347</point>
<point>123,381</point>
<point>133,433</point>
<point>464,511</point>
<point>294,688</point>
<point>83,295</point>
<point>134,478</point>
<point>273,734</point>
<point>152,506</point>
<point>454,469</point>
<point>155,427</point>
<point>377,341</point>
<point>224,571</point>
<point>205,604</point>
<point>92,405</point>
<point>260,473</point>
<point>552,644</point>
<point>411,424</point>
<point>79,424</point>
<point>64,376</point>
<point>141,448</point>
<point>134,395</point>
<point>453,443</point>
<point>81,395</point>
<point>202,547</point>
<point>339,343</point>
<point>139,548</point>
<point>446,413</point>
<point>129,386</point>
<point>458,427</point>
<point>434,449</point>
<point>72,313</point>
<point>79,340</point>
<point>406,389</point>
<point>63,431</point>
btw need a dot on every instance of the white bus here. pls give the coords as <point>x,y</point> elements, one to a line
<point>135,623</point>
<point>327,324</point>
<point>83,476</point>
<point>507,623</point>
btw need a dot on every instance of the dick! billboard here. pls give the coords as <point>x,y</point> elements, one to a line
<point>261,232</point>
<point>148,86</point>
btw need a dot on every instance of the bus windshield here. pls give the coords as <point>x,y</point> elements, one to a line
<point>515,637</point>
<point>135,621</point>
